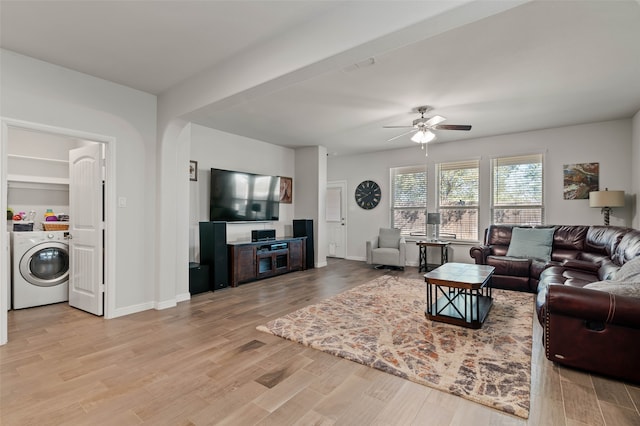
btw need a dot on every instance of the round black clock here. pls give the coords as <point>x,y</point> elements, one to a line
<point>368,194</point>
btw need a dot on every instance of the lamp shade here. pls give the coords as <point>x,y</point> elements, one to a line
<point>606,198</point>
<point>433,218</point>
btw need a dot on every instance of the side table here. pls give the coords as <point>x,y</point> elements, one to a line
<point>423,265</point>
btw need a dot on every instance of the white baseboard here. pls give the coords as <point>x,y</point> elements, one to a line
<point>321,264</point>
<point>361,259</point>
<point>166,304</point>
<point>183,297</point>
<point>364,259</point>
<point>133,309</point>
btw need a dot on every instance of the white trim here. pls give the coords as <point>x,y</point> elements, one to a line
<point>183,297</point>
<point>358,258</point>
<point>133,309</point>
<point>165,304</point>
<point>344,186</point>
<point>4,255</point>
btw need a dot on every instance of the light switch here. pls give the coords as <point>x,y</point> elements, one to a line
<point>122,201</point>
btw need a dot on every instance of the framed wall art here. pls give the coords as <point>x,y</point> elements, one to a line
<point>286,190</point>
<point>580,179</point>
<point>193,170</point>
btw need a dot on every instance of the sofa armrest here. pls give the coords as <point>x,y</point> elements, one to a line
<point>371,244</point>
<point>593,305</point>
<point>581,265</point>
<point>480,253</point>
<point>403,250</point>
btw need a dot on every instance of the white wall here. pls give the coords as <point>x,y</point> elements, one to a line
<point>310,193</point>
<point>635,172</point>
<point>608,143</point>
<point>39,92</point>
<point>215,149</point>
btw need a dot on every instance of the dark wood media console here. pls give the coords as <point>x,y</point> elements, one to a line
<point>250,261</point>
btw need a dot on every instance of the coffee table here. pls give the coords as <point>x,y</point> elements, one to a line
<point>459,294</point>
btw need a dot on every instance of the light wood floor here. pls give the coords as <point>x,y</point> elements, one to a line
<point>203,362</point>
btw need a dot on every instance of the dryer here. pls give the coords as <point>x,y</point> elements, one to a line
<point>40,268</point>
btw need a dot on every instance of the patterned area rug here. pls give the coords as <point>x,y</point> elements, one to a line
<point>381,324</point>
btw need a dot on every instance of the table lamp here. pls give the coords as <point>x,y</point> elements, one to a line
<point>605,200</point>
<point>433,219</point>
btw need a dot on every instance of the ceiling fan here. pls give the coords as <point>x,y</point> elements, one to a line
<point>423,126</point>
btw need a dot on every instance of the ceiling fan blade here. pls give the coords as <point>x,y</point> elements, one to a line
<point>452,127</point>
<point>399,136</point>
<point>396,127</point>
<point>436,119</point>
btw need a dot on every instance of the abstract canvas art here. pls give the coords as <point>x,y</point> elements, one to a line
<point>580,179</point>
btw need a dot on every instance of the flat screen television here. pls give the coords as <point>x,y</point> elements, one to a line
<point>243,197</point>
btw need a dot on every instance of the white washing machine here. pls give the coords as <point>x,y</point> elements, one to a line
<point>40,268</point>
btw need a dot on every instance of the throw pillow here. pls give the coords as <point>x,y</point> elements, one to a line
<point>531,243</point>
<point>630,271</point>
<point>389,238</point>
<point>626,288</point>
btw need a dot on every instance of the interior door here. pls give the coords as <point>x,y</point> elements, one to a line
<point>336,219</point>
<point>86,287</point>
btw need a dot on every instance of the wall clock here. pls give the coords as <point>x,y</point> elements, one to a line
<point>368,194</point>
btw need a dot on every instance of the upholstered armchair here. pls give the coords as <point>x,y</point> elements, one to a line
<point>387,249</point>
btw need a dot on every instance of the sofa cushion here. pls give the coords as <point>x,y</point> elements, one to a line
<point>389,238</point>
<point>569,238</point>
<point>506,265</point>
<point>532,243</point>
<point>628,249</point>
<point>624,288</point>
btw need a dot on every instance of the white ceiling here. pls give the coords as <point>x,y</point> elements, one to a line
<point>502,67</point>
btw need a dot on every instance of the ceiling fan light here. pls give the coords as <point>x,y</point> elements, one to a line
<point>428,136</point>
<point>423,136</point>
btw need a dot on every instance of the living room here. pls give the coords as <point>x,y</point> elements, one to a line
<point>155,140</point>
<point>157,132</point>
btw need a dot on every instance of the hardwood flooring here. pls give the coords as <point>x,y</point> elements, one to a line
<point>203,362</point>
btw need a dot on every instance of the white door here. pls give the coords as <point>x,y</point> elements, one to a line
<point>336,219</point>
<point>86,287</point>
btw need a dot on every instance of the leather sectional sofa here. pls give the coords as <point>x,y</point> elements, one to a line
<point>588,301</point>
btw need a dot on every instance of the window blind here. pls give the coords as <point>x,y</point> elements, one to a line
<point>458,199</point>
<point>517,193</point>
<point>409,199</point>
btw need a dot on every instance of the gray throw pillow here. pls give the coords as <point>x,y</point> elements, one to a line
<point>626,288</point>
<point>630,271</point>
<point>389,238</point>
<point>531,243</point>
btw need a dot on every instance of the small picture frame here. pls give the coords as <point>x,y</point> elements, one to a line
<point>193,170</point>
<point>286,190</point>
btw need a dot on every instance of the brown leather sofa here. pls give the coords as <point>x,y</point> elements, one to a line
<point>594,330</point>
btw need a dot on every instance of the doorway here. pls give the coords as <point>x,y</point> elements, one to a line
<point>337,219</point>
<point>60,140</point>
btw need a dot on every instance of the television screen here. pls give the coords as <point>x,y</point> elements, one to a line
<point>238,196</point>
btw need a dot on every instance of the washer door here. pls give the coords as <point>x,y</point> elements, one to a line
<point>46,264</point>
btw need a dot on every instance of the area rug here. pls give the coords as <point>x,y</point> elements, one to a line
<point>381,324</point>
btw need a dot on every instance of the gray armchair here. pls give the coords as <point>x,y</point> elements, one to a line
<point>387,249</point>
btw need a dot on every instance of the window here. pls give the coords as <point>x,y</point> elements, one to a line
<point>409,199</point>
<point>517,190</point>
<point>458,192</point>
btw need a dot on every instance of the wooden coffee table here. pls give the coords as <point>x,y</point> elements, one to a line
<point>459,293</point>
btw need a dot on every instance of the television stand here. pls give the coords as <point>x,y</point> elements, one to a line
<point>251,261</point>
